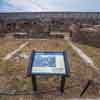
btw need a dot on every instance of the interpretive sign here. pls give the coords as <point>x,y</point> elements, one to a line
<point>49,63</point>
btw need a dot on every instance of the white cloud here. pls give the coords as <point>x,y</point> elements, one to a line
<point>40,5</point>
<point>23,5</point>
<point>54,5</point>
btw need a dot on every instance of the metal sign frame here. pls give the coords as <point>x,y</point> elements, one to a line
<point>31,60</point>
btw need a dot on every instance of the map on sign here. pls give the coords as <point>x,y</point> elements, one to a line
<point>48,63</point>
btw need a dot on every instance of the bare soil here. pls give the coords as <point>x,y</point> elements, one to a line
<point>13,71</point>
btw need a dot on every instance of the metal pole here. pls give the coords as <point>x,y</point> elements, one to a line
<point>86,87</point>
<point>34,85</point>
<point>62,84</point>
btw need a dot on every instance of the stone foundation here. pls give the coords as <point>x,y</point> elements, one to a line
<point>88,38</point>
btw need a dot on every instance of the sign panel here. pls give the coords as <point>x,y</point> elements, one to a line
<point>48,63</point>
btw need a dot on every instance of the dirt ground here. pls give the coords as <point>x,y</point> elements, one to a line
<point>13,72</point>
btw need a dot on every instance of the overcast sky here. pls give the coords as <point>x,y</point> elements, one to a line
<point>49,5</point>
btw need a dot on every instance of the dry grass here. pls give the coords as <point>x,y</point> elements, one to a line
<point>12,72</point>
<point>92,52</point>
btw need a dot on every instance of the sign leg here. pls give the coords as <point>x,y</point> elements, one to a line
<point>62,84</point>
<point>34,85</point>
